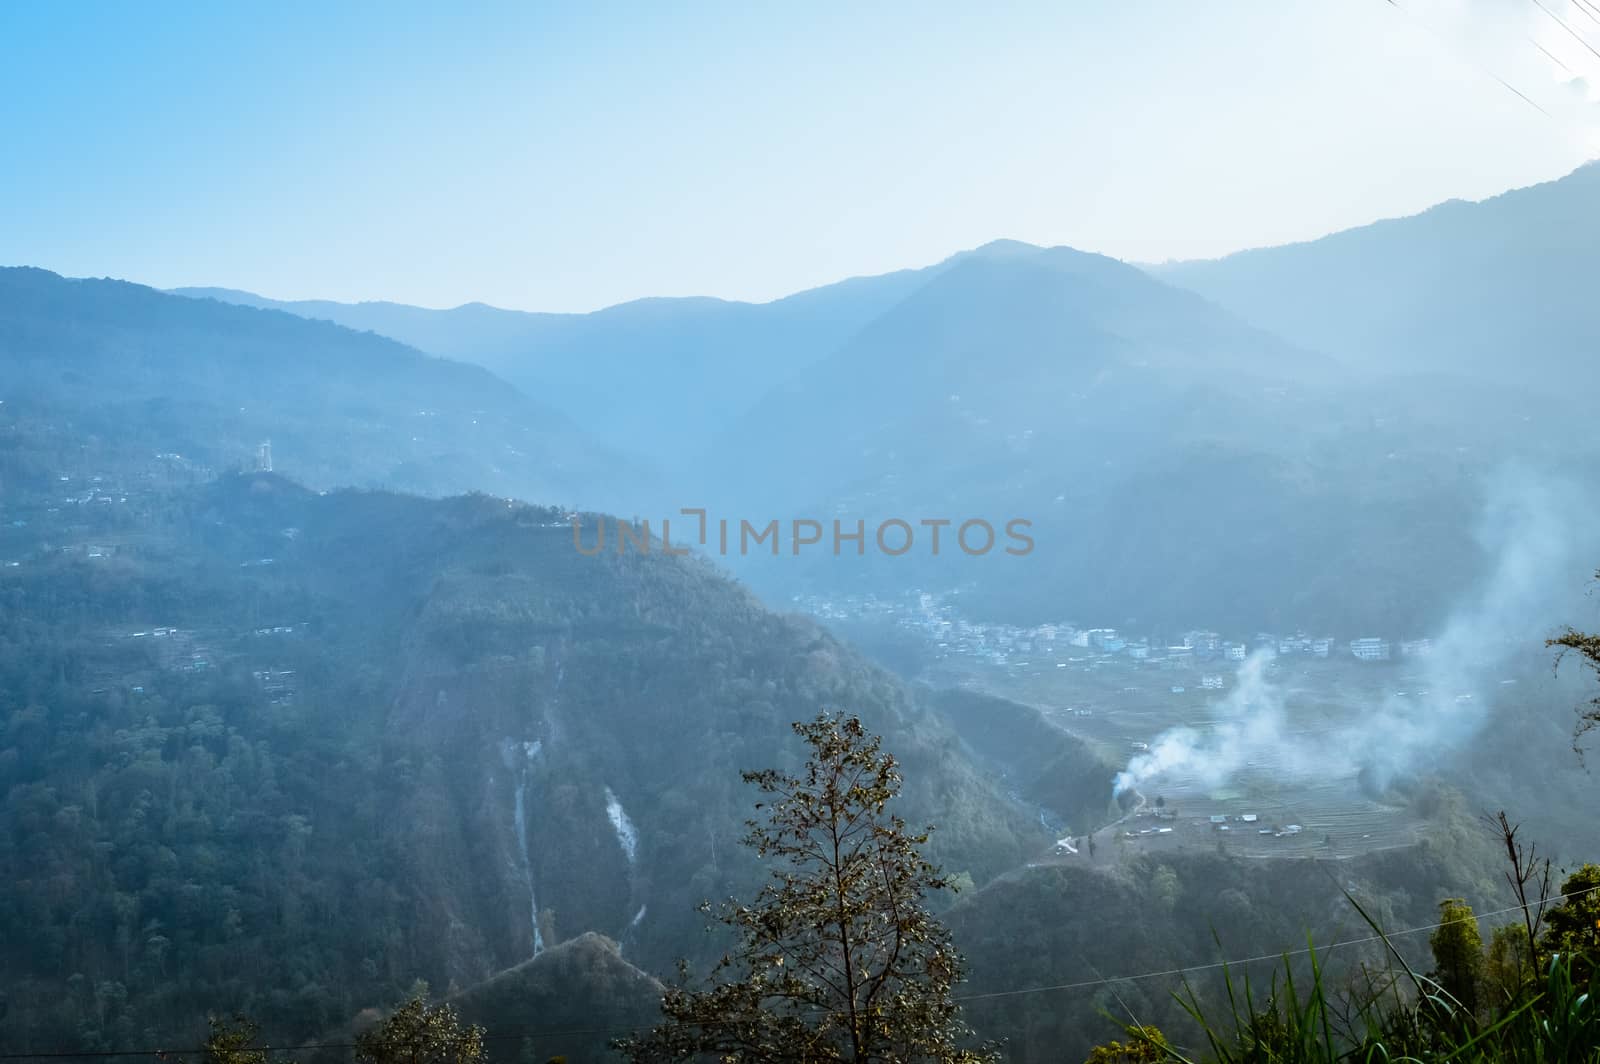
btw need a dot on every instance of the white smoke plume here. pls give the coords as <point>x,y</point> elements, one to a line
<point>1250,728</point>
<point>1531,530</point>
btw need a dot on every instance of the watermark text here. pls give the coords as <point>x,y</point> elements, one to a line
<point>804,536</point>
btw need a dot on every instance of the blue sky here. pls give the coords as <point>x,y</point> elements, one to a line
<point>565,157</point>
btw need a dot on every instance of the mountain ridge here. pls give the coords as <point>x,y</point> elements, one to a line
<point>1492,288</point>
<point>341,407</point>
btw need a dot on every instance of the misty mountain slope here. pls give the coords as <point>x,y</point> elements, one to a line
<point>465,332</point>
<point>1178,466</point>
<point>1001,357</point>
<point>1500,289</point>
<point>656,377</point>
<point>158,373</point>
<point>430,725</point>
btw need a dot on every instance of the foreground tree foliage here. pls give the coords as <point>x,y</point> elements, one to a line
<point>1478,1005</point>
<point>419,1033</point>
<point>1458,955</point>
<point>1573,927</point>
<point>1587,646</point>
<point>233,1041</point>
<point>1145,1045</point>
<point>838,957</point>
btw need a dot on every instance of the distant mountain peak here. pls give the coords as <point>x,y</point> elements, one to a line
<point>1005,246</point>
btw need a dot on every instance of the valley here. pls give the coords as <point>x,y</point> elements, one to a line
<point>350,677</point>
<point>1299,769</point>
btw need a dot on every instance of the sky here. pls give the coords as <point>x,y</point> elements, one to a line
<point>568,157</point>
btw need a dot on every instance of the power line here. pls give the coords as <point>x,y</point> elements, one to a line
<point>303,1047</point>
<point>1549,56</point>
<point>502,1036</point>
<point>1559,21</point>
<point>1586,12</point>
<point>1524,97</point>
<point>1271,956</point>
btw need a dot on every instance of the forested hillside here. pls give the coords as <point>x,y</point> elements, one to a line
<point>1084,929</point>
<point>285,753</point>
<point>105,366</point>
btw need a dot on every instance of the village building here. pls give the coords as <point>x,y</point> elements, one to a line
<point>1370,648</point>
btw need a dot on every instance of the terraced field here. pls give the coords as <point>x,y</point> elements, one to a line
<point>1123,708</point>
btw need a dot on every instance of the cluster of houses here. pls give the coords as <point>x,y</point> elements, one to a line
<point>1219,823</point>
<point>1252,822</point>
<point>68,507</point>
<point>1063,644</point>
<point>1160,823</point>
<point>1374,649</point>
<point>35,524</point>
<point>178,650</point>
<point>278,684</point>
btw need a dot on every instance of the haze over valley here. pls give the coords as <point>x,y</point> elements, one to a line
<point>998,657</point>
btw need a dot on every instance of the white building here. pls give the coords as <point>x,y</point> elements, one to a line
<point>1370,648</point>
